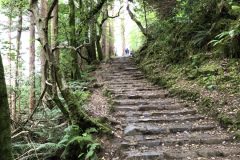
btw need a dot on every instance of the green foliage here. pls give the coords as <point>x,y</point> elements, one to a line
<point>224,121</point>
<point>88,146</point>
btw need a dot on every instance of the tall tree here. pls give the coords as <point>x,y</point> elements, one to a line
<point>5,134</point>
<point>105,35</point>
<point>43,13</point>
<point>32,64</point>
<point>93,40</point>
<point>111,33</point>
<point>76,114</point>
<point>10,61</point>
<point>123,33</point>
<point>100,31</point>
<point>75,69</point>
<point>19,32</point>
<point>54,32</point>
<point>139,24</point>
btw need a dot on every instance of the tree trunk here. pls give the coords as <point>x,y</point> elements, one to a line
<point>75,69</point>
<point>88,48</point>
<point>76,114</point>
<point>32,64</point>
<point>99,48</point>
<point>92,40</point>
<point>19,32</point>
<point>123,36</point>
<point>54,32</point>
<point>105,37</point>
<point>9,64</point>
<point>111,34</point>
<point>5,134</point>
<point>20,85</point>
<point>42,55</point>
<point>139,24</point>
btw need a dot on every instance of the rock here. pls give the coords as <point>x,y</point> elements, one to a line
<point>131,130</point>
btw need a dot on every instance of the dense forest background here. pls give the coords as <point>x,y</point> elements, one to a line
<point>189,47</point>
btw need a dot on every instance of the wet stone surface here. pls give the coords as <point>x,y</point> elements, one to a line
<point>155,126</point>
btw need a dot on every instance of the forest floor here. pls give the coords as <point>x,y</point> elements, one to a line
<point>125,122</point>
<point>98,106</point>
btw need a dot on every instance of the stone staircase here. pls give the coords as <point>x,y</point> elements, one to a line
<point>158,127</point>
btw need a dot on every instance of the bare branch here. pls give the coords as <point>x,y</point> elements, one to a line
<point>38,102</point>
<point>51,9</point>
<point>73,48</point>
<point>138,23</point>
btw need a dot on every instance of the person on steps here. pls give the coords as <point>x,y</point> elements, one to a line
<point>131,52</point>
<point>127,51</point>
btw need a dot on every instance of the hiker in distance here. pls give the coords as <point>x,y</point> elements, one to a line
<point>127,51</point>
<point>131,52</point>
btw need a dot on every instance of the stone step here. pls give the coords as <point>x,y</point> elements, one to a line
<point>125,76</point>
<point>130,85</point>
<point>156,113</point>
<point>122,78</point>
<point>195,152</point>
<point>135,91</point>
<point>125,90</point>
<point>140,96</point>
<point>147,102</point>
<point>173,141</point>
<point>148,129</point>
<point>123,73</point>
<point>180,135</point>
<point>119,81</point>
<point>163,119</point>
<point>149,107</point>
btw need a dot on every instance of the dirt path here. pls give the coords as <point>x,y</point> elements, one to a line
<point>150,125</point>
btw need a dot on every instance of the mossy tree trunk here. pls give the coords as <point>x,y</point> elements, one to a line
<point>76,114</point>
<point>19,32</point>
<point>93,40</point>
<point>5,130</point>
<point>75,69</point>
<point>32,64</point>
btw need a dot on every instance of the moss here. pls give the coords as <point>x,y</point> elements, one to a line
<point>224,121</point>
<point>206,105</point>
<point>184,94</point>
<point>237,136</point>
<point>209,69</point>
<point>223,102</point>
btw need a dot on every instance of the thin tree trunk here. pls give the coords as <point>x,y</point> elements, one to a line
<point>42,56</point>
<point>20,85</point>
<point>19,32</point>
<point>88,48</point>
<point>123,36</point>
<point>145,16</point>
<point>92,40</point>
<point>9,64</point>
<point>75,69</point>
<point>43,59</point>
<point>111,33</point>
<point>105,38</point>
<point>5,134</point>
<point>32,64</point>
<point>54,32</point>
<point>99,48</point>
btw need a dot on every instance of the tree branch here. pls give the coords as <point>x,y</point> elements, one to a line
<point>73,48</point>
<point>51,9</point>
<point>138,23</point>
<point>90,14</point>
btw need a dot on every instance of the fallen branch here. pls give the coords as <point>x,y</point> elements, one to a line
<point>38,102</point>
<point>23,132</point>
